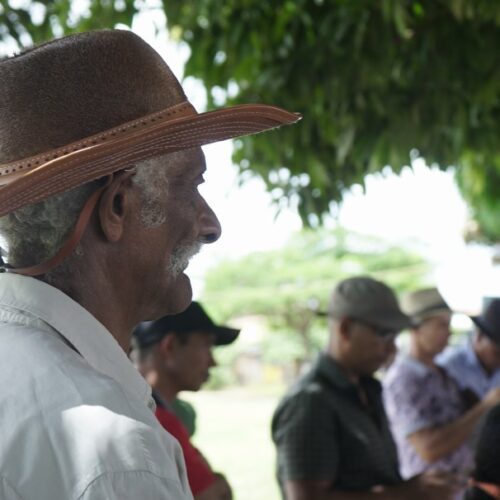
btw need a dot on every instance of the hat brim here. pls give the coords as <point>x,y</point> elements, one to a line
<point>225,335</point>
<point>180,127</point>
<point>395,322</point>
<point>485,328</point>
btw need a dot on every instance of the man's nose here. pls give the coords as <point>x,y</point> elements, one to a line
<point>210,226</point>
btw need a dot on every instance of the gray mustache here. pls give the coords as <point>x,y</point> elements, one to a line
<point>181,257</point>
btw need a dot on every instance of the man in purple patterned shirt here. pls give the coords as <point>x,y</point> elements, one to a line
<point>430,420</point>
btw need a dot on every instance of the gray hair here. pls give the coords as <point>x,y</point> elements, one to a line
<point>33,234</point>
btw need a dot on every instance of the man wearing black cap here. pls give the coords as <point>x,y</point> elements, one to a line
<point>476,364</point>
<point>174,354</point>
<point>330,430</point>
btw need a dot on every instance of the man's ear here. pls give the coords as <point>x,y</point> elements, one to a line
<point>168,344</point>
<point>115,204</point>
<point>345,328</point>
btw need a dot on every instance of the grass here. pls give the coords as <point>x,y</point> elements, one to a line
<point>233,432</point>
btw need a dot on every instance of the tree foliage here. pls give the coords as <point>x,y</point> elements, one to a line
<point>289,285</point>
<point>306,269</point>
<point>377,81</point>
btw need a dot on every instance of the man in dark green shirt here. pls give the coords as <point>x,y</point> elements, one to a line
<point>330,430</point>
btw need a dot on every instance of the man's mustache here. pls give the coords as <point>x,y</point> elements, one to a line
<point>182,255</point>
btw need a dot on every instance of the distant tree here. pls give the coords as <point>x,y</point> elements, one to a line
<point>378,81</point>
<point>288,286</point>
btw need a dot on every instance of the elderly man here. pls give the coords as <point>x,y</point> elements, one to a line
<point>430,418</point>
<point>331,431</point>
<point>100,163</point>
<point>174,354</point>
<point>475,365</point>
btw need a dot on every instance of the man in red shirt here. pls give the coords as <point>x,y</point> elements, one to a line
<point>174,354</point>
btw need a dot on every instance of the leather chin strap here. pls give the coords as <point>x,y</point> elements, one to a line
<point>489,488</point>
<point>71,243</point>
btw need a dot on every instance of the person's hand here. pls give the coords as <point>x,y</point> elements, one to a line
<point>492,397</point>
<point>435,485</point>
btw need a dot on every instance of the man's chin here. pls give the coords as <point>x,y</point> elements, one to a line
<point>182,294</point>
<point>173,298</point>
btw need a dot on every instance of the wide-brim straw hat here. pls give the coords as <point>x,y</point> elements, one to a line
<point>87,105</point>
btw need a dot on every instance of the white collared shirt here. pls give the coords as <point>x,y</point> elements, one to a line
<point>74,416</point>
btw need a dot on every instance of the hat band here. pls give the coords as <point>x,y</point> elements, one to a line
<point>428,311</point>
<point>11,171</point>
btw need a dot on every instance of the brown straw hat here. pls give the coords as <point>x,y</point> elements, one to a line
<point>87,105</point>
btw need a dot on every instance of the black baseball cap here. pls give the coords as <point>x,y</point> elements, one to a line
<point>194,318</point>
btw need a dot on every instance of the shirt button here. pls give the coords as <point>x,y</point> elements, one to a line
<point>152,405</point>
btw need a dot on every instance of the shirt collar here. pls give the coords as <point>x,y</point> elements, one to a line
<point>415,365</point>
<point>29,296</point>
<point>160,402</point>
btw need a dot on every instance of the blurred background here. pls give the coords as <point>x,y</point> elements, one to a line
<point>394,171</point>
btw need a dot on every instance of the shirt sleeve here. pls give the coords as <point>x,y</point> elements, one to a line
<point>305,433</point>
<point>411,404</point>
<point>200,475</point>
<point>131,485</point>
